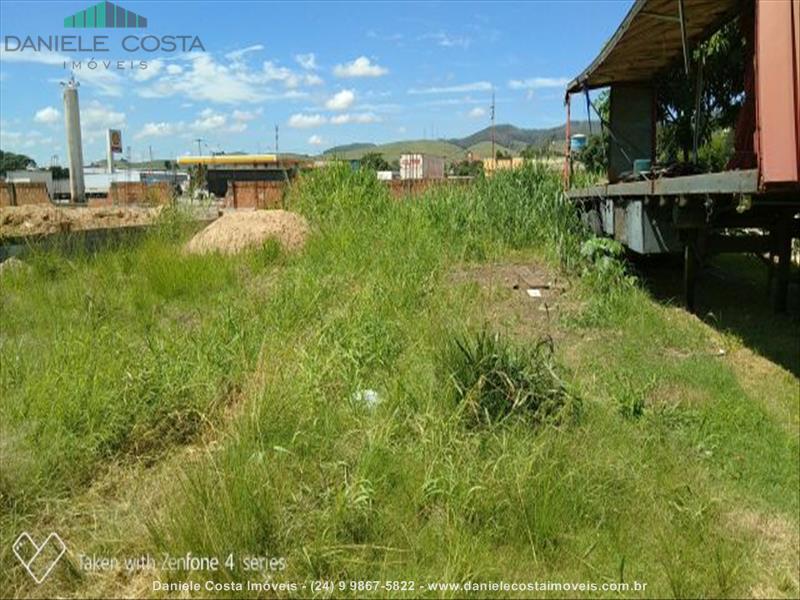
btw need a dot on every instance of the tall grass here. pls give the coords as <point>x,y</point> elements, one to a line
<point>494,380</point>
<point>127,354</point>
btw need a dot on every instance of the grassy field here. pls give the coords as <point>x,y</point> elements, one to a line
<point>384,406</point>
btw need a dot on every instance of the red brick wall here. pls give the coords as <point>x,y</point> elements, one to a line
<point>136,192</point>
<point>255,194</point>
<point>21,194</point>
<point>5,194</point>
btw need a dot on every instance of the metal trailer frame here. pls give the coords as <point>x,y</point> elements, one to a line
<point>700,215</point>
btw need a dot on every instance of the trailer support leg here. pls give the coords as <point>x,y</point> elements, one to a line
<point>783,251</point>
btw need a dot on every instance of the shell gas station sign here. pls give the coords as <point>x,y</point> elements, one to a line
<point>115,140</point>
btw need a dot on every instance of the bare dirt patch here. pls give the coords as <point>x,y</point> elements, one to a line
<point>521,298</point>
<point>20,221</point>
<point>235,231</point>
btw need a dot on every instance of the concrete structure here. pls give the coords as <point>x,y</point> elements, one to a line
<point>256,194</point>
<point>421,166</point>
<point>216,172</point>
<point>490,165</point>
<point>72,122</point>
<point>32,176</point>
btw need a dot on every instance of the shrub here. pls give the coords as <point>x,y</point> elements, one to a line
<point>494,380</point>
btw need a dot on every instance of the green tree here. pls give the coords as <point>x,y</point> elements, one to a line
<point>467,168</point>
<point>722,58</point>
<point>374,161</point>
<point>59,172</point>
<point>14,162</point>
<point>530,152</point>
<point>594,155</point>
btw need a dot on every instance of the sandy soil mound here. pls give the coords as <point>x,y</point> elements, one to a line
<point>235,231</point>
<point>17,221</point>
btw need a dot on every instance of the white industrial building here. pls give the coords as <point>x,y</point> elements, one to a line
<point>421,166</point>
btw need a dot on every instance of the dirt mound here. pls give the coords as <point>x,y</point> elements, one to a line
<point>18,221</point>
<point>236,231</point>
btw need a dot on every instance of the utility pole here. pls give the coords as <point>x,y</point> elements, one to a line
<point>494,156</point>
<point>199,150</point>
<point>276,140</point>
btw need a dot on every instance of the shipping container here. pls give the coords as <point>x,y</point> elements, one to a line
<point>421,166</point>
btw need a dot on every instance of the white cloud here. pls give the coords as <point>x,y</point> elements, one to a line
<point>206,79</point>
<point>107,81</point>
<point>360,67</point>
<point>453,101</point>
<point>245,115</point>
<point>44,58</point>
<point>273,72</point>
<point>477,112</point>
<point>446,40</point>
<point>237,55</point>
<point>97,117</point>
<point>315,140</point>
<point>9,137</point>
<point>477,86</point>
<point>360,118</point>
<point>159,130</point>
<point>341,100</point>
<point>26,140</point>
<point>48,115</point>
<point>300,120</point>
<point>381,108</point>
<point>209,120</point>
<point>307,61</point>
<point>153,69</point>
<point>537,83</point>
<point>174,69</point>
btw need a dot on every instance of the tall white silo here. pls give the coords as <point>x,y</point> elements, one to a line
<point>72,121</point>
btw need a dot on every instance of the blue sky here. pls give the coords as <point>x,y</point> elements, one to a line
<point>327,73</point>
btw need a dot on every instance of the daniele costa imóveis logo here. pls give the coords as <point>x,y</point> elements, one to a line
<point>125,43</point>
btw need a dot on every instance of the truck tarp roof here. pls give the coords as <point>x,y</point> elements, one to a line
<point>649,40</point>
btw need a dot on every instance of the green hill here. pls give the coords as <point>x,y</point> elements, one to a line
<point>517,138</point>
<point>392,151</point>
<point>508,138</point>
<point>484,150</point>
<point>345,148</point>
